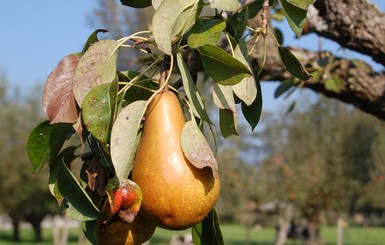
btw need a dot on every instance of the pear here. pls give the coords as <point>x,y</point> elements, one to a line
<point>118,232</point>
<point>176,194</point>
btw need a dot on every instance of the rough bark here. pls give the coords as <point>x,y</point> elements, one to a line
<point>354,24</point>
<point>361,87</point>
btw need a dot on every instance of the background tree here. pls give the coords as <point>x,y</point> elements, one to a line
<point>26,197</point>
<point>321,159</point>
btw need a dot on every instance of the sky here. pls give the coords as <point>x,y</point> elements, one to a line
<point>35,35</point>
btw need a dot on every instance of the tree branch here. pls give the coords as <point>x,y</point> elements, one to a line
<point>357,25</point>
<point>361,87</point>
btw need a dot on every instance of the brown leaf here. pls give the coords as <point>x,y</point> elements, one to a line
<point>95,176</point>
<point>58,98</point>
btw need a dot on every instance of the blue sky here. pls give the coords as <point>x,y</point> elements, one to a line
<point>35,35</point>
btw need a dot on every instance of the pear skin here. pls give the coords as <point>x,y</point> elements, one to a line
<point>118,232</point>
<point>176,194</point>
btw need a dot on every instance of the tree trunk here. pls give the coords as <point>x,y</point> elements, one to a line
<point>340,230</point>
<point>37,230</point>
<point>283,226</point>
<point>313,232</point>
<point>16,230</point>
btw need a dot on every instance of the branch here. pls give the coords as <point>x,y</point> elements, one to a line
<point>361,87</point>
<point>357,25</point>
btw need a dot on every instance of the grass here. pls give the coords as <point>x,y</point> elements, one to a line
<point>233,235</point>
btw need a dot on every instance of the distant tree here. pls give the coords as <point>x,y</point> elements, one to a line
<point>321,159</point>
<point>25,196</point>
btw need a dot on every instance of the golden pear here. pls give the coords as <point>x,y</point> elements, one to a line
<point>118,232</point>
<point>176,194</point>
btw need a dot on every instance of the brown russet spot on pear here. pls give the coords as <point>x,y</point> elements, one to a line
<point>176,194</point>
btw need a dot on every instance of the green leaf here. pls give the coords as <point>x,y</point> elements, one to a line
<point>303,4</point>
<point>90,229</point>
<point>45,142</point>
<point>93,38</point>
<point>208,231</point>
<point>223,97</point>
<point>246,90</point>
<point>196,149</point>
<point>225,5</point>
<point>252,113</point>
<point>124,137</point>
<point>66,156</point>
<point>136,3</point>
<point>76,196</point>
<point>221,66</point>
<point>207,31</point>
<point>173,17</point>
<point>237,23</point>
<point>97,66</point>
<point>334,84</point>
<point>295,16</point>
<point>96,112</point>
<point>283,87</point>
<point>228,120</point>
<point>135,93</point>
<point>192,93</point>
<point>255,6</point>
<point>292,64</point>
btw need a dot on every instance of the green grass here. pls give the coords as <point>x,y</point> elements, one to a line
<point>233,235</point>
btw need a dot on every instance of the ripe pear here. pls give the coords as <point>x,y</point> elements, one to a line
<point>176,194</point>
<point>118,232</point>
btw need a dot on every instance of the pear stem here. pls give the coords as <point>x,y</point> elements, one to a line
<point>164,69</point>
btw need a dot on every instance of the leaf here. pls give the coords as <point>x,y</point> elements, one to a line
<point>223,97</point>
<point>97,66</point>
<point>196,149</point>
<point>295,16</point>
<point>66,156</point>
<point>96,112</point>
<point>283,87</point>
<point>170,19</point>
<point>225,5</point>
<point>93,38</point>
<point>45,142</point>
<point>136,3</point>
<point>208,231</point>
<point>192,93</point>
<point>228,121</point>
<point>58,98</point>
<point>135,93</point>
<point>207,31</point>
<point>156,3</point>
<point>89,229</point>
<point>221,66</point>
<point>303,4</point>
<point>246,90</point>
<point>73,192</point>
<point>252,113</point>
<point>292,64</point>
<point>334,84</point>
<point>124,135</point>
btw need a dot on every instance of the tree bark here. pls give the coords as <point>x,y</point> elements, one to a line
<point>357,25</point>
<point>37,230</point>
